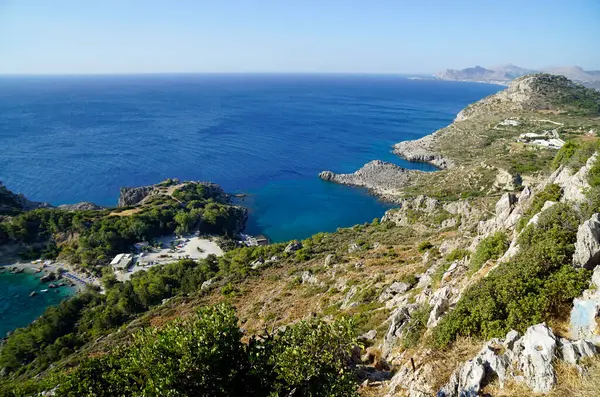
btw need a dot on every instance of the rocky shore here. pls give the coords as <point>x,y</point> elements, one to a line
<point>383,179</point>
<point>422,150</point>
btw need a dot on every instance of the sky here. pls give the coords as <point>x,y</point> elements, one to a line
<point>306,36</point>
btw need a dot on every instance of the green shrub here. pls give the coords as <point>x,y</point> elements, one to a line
<point>424,246</point>
<point>491,247</point>
<point>593,175</point>
<point>416,326</point>
<point>204,356</point>
<point>529,289</point>
<point>565,154</point>
<point>458,254</point>
<point>551,192</point>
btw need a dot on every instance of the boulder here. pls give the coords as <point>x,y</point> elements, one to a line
<point>329,260</point>
<point>309,278</point>
<point>587,246</point>
<point>440,303</point>
<point>531,355</point>
<point>48,277</point>
<point>347,302</point>
<point>206,285</point>
<point>573,351</point>
<point>257,263</point>
<point>293,246</point>
<point>504,208</point>
<point>353,248</point>
<point>535,360</point>
<point>368,336</point>
<point>585,315</point>
<point>394,289</point>
<point>398,321</point>
<point>414,382</point>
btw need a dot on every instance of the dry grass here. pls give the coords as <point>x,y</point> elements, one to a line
<point>126,212</point>
<point>569,383</point>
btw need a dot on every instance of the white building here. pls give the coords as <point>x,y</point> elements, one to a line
<point>122,261</point>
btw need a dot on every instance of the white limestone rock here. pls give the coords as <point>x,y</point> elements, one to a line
<point>394,289</point>
<point>585,315</point>
<point>587,246</point>
<point>535,360</point>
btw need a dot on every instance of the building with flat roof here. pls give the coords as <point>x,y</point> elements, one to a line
<point>122,261</point>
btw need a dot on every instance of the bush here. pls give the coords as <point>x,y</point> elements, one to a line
<point>565,154</point>
<point>491,247</point>
<point>551,192</point>
<point>593,176</point>
<point>458,254</point>
<point>424,246</point>
<point>416,326</point>
<point>204,356</point>
<point>529,289</point>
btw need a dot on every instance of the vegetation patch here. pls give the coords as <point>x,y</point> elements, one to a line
<point>525,291</point>
<point>551,192</point>
<point>491,247</point>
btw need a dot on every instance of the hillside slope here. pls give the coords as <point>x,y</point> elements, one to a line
<point>483,281</point>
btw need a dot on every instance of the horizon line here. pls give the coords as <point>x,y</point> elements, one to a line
<point>69,74</point>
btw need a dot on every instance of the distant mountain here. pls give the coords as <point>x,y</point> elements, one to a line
<point>503,74</point>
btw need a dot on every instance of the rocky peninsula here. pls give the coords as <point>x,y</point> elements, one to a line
<point>482,142</point>
<point>381,178</point>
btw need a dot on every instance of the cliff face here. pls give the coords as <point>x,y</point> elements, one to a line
<point>130,196</point>
<point>11,202</point>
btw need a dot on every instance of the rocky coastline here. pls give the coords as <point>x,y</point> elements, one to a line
<point>422,150</point>
<point>381,178</point>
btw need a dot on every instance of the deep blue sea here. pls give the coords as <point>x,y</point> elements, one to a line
<point>70,139</point>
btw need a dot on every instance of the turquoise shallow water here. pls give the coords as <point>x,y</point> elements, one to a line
<point>17,309</point>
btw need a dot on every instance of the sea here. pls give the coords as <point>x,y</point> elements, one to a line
<point>66,139</point>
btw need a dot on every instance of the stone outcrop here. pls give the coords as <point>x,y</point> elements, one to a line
<point>10,201</point>
<point>587,246</point>
<point>507,181</point>
<point>585,315</point>
<point>293,246</point>
<point>528,359</point>
<point>422,150</point>
<point>83,206</point>
<point>574,184</point>
<point>392,290</point>
<point>130,196</point>
<point>399,321</point>
<point>381,178</point>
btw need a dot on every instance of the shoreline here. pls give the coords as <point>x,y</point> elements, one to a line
<point>71,277</point>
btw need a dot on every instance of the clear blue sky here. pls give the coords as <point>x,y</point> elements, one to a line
<point>374,36</point>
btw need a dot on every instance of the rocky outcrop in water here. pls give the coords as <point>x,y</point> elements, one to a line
<point>381,178</point>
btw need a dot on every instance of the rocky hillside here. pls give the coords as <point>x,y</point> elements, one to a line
<point>483,148</point>
<point>484,281</point>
